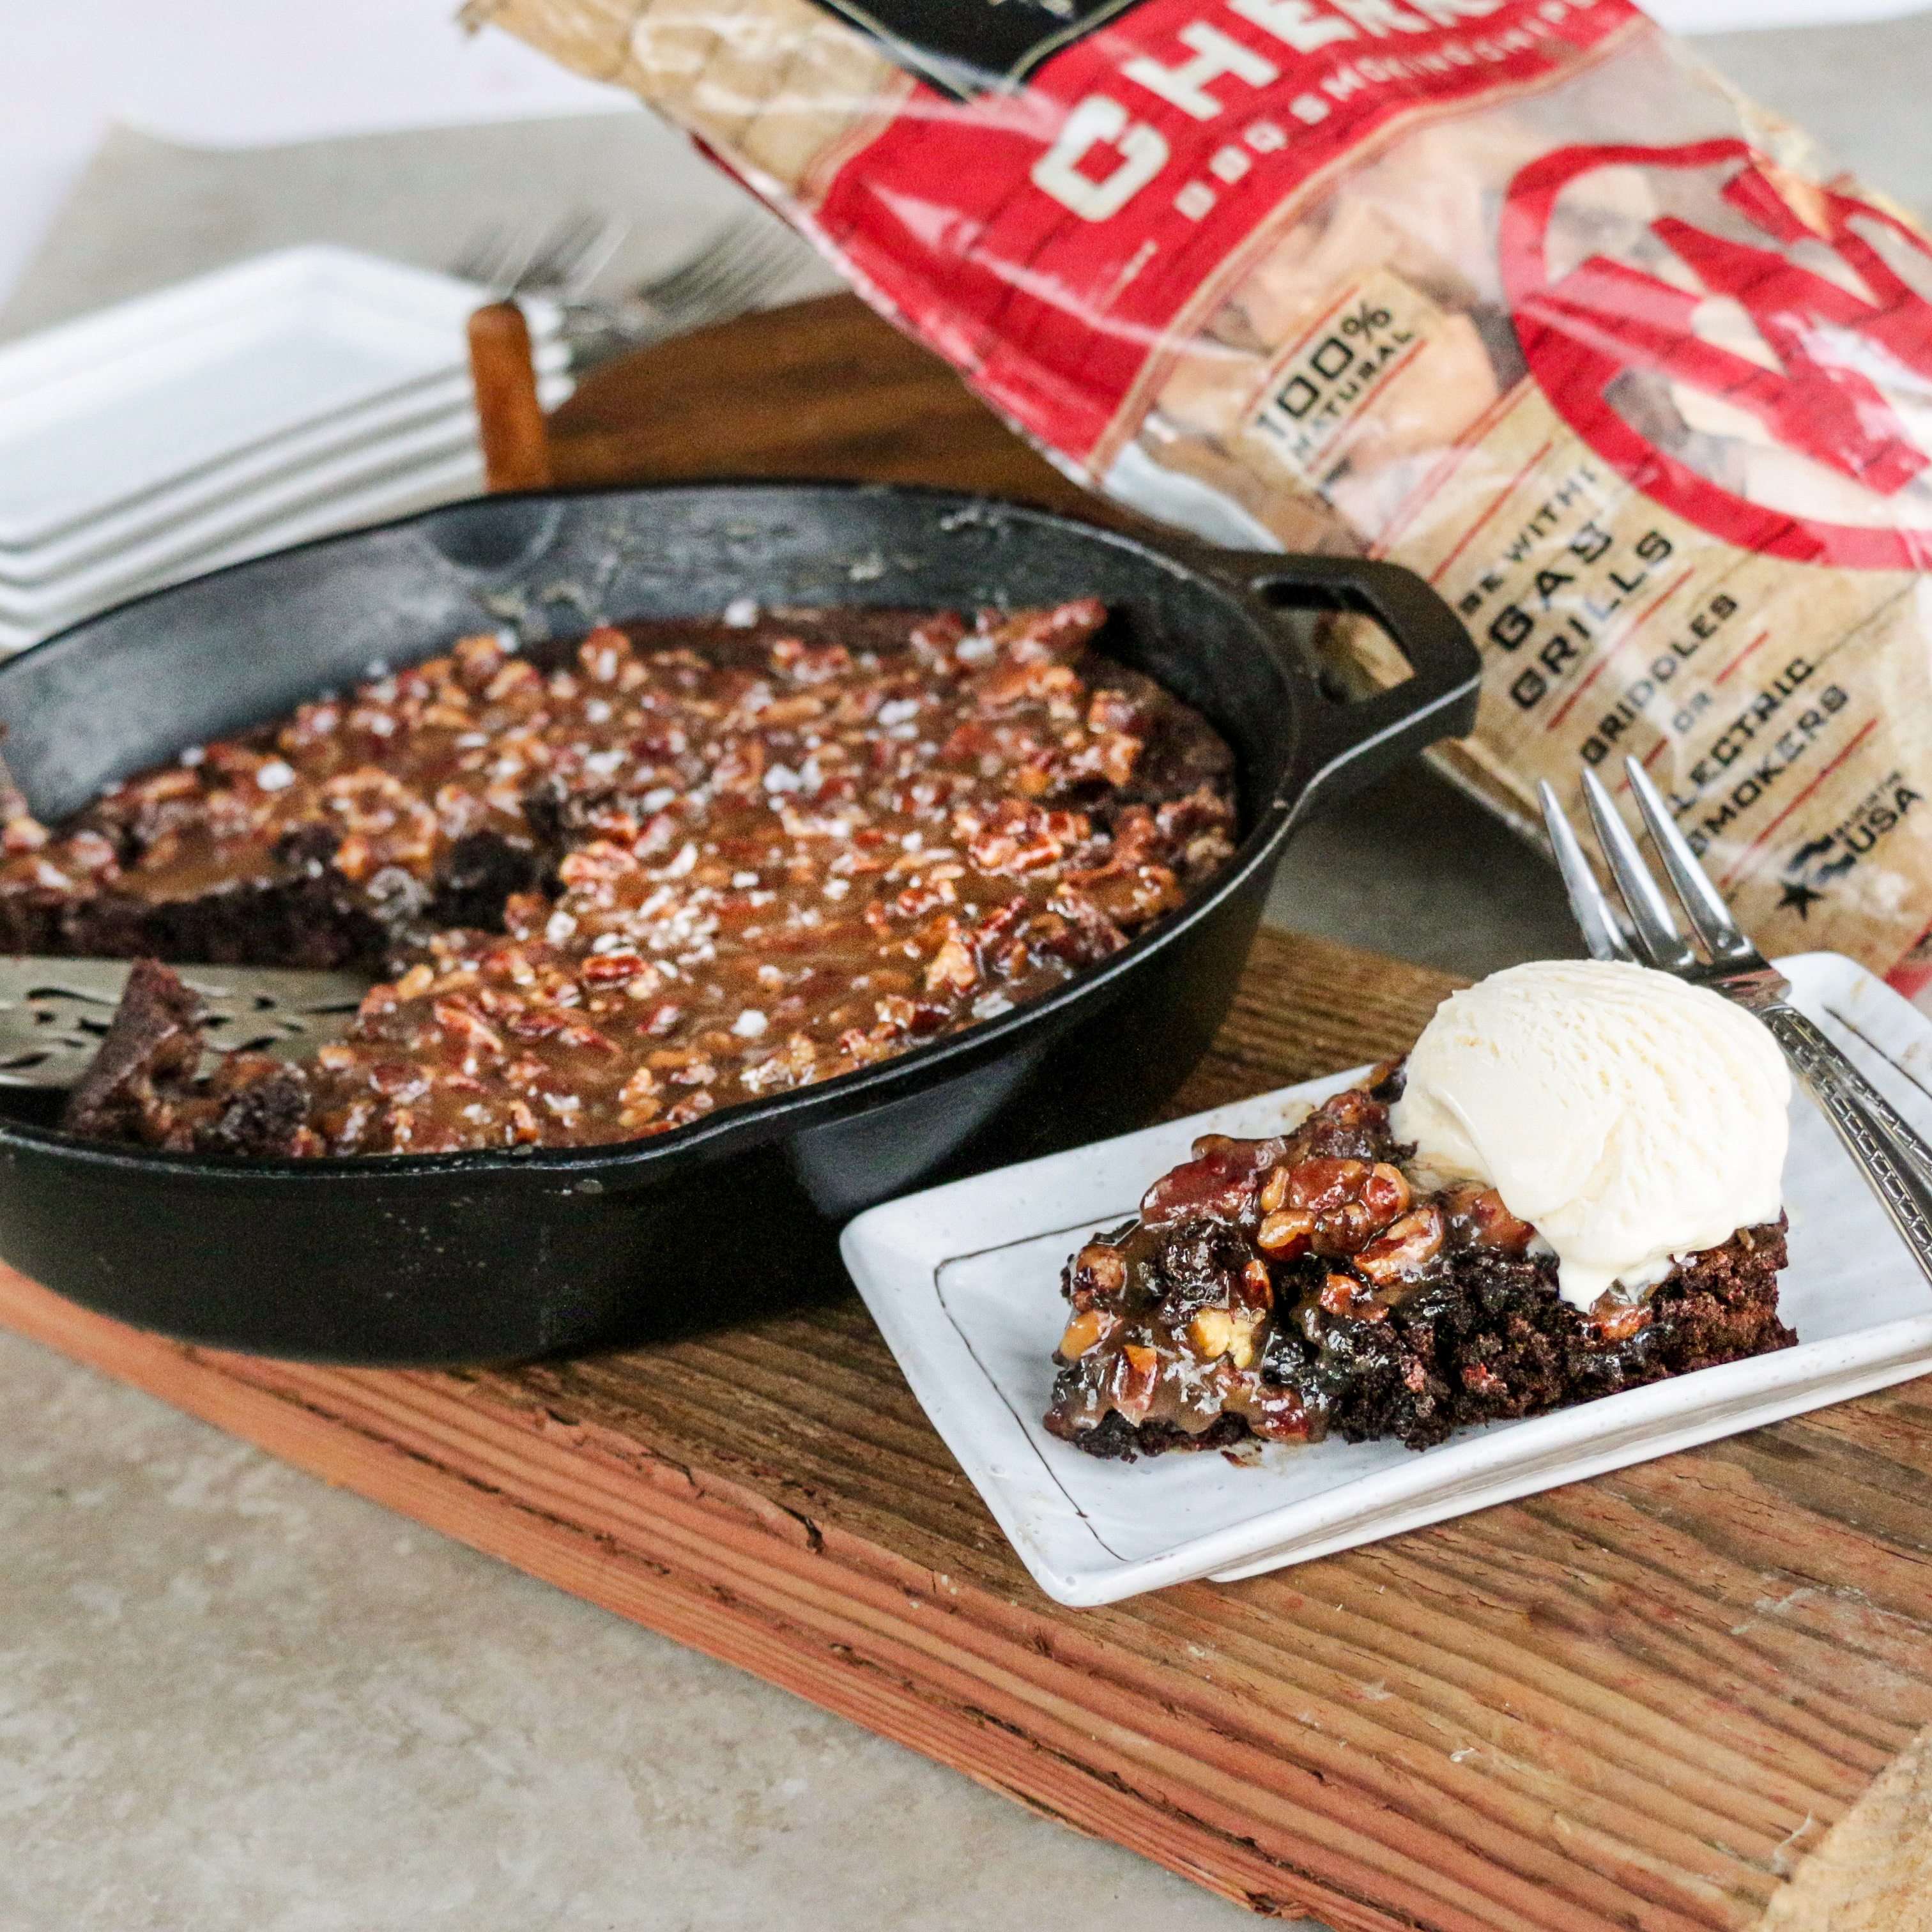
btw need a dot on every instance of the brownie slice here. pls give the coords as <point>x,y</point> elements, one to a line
<point>142,1085</point>
<point>1290,1288</point>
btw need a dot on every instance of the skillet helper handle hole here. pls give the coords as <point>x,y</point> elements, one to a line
<point>1352,741</point>
<point>509,416</point>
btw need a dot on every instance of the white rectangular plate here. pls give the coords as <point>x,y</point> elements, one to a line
<point>418,487</point>
<point>964,1282</point>
<point>176,511</point>
<point>102,412</point>
<point>273,501</point>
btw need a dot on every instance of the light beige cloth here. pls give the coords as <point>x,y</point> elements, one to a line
<point>149,212</point>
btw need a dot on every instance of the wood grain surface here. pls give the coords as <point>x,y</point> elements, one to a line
<point>1641,1702</point>
<point>820,388</point>
<point>1692,1694</point>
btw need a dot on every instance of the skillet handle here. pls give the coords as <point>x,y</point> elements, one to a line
<point>1348,745</point>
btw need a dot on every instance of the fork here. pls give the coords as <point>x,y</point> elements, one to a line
<point>1891,1155</point>
<point>562,260</point>
<point>732,271</point>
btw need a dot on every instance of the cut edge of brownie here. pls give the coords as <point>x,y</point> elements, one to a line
<point>1497,1343</point>
<point>1492,1347</point>
<point>306,917</point>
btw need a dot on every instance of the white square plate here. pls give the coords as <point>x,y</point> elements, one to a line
<point>418,487</point>
<point>175,514</point>
<point>964,1282</point>
<point>104,411</point>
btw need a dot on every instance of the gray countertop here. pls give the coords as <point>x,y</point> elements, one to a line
<point>233,1697</point>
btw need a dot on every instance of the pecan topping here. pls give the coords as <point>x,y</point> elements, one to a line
<point>786,856</point>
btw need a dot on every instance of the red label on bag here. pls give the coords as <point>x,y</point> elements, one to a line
<point>1746,348</point>
<point>1046,238</point>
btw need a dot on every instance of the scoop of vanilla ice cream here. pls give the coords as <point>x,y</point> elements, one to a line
<point>1630,1117</point>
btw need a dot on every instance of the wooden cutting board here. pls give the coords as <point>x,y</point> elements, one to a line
<point>1688,1695</point>
<point>1693,1694</point>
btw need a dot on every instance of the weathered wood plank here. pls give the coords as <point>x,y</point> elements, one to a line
<point>1637,1702</point>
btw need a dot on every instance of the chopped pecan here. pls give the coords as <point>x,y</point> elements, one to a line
<point>1083,1332</point>
<point>1478,1218</point>
<point>1220,1183</point>
<point>1287,1232</point>
<point>1098,1270</point>
<point>1618,1321</point>
<point>1138,1376</point>
<point>1404,1248</point>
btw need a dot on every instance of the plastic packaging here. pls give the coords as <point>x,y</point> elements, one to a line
<point>1516,293</point>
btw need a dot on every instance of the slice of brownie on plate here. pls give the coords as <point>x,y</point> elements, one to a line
<point>1289,1288</point>
<point>1594,1205</point>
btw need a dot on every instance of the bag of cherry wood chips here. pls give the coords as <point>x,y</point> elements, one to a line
<point>1517,293</point>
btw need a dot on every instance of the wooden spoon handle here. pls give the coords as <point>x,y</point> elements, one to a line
<point>509,417</point>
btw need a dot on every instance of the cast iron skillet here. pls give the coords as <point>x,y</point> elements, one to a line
<point>476,1257</point>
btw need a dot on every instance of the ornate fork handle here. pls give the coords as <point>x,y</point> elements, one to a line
<point>1833,1083</point>
<point>1906,1138</point>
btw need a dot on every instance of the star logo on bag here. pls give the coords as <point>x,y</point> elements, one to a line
<point>1799,897</point>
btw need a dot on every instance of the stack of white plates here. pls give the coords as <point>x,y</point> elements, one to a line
<point>305,391</point>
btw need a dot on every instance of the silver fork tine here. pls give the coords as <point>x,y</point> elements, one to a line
<point>481,257</point>
<point>605,239</point>
<point>1594,919</point>
<point>1710,917</point>
<point>737,290</point>
<point>1658,940</point>
<point>548,247</point>
<point>520,244</point>
<point>563,248</point>
<point>726,274</point>
<point>690,284</point>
